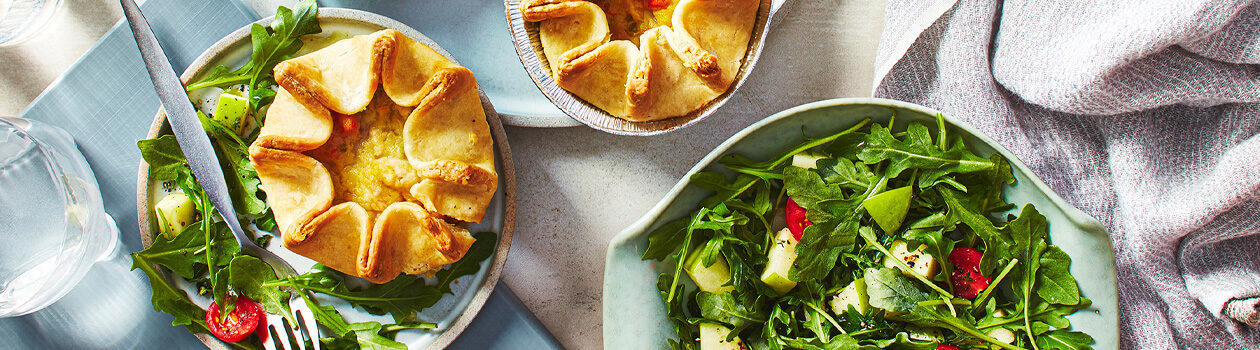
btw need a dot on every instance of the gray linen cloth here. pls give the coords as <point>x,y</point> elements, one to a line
<point>1144,114</point>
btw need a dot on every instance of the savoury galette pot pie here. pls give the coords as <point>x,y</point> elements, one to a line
<point>644,60</point>
<point>374,155</point>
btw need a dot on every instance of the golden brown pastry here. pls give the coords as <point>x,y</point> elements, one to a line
<point>376,184</point>
<point>639,63</point>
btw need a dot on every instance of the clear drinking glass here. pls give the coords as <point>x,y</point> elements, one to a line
<point>53,226</point>
<point>21,19</point>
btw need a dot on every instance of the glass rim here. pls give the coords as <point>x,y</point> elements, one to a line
<point>58,177</point>
<point>41,18</point>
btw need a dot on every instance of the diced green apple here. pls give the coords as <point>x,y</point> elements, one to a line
<point>174,212</point>
<point>920,262</point>
<point>714,278</point>
<point>713,337</point>
<point>1002,334</point>
<point>889,207</point>
<point>852,295</point>
<point>781,257</point>
<point>231,110</point>
<point>805,160</point>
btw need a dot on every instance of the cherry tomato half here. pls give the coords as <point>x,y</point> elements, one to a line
<point>236,325</point>
<point>796,221</point>
<point>946,347</point>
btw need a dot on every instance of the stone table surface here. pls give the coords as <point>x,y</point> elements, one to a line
<point>578,187</point>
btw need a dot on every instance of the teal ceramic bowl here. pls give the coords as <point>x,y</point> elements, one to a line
<point>634,315</point>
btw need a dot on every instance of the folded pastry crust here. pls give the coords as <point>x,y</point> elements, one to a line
<point>434,170</point>
<point>676,68</point>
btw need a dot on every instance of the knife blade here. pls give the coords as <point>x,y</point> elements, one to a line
<point>183,119</point>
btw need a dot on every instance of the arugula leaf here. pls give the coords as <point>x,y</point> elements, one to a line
<point>889,290</point>
<point>166,298</point>
<point>723,190</point>
<point>164,156</point>
<point>1028,232</point>
<point>835,219</point>
<point>985,188</point>
<point>821,246</point>
<point>903,341</point>
<point>1065,340</point>
<point>930,231</point>
<point>271,45</point>
<point>687,334</point>
<point>470,263</point>
<point>725,308</point>
<point>918,152</point>
<point>664,240</point>
<point>820,200</point>
<point>1055,283</point>
<point>247,275</point>
<point>219,290</point>
<point>369,336</point>
<point>846,173</point>
<point>996,246</point>
<point>180,254</point>
<point>346,334</point>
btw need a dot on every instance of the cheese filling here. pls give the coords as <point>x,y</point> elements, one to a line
<point>367,163</point>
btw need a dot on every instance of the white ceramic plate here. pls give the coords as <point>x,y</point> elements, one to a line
<point>453,312</point>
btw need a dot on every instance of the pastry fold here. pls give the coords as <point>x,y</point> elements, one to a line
<point>403,239</point>
<point>676,69</point>
<point>294,126</point>
<point>445,139</point>
<point>448,142</point>
<point>342,76</point>
<point>298,187</point>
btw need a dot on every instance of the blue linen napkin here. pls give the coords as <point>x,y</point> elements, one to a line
<point>105,100</point>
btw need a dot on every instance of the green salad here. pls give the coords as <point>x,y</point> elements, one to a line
<point>873,237</point>
<point>203,258</point>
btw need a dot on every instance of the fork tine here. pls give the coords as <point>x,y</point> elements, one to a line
<point>275,326</point>
<point>306,318</point>
<point>283,333</point>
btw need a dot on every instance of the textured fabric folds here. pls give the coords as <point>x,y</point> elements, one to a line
<point>1143,114</point>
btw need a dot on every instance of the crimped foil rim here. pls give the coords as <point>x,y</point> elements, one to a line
<point>529,49</point>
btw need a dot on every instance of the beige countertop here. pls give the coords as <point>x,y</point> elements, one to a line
<point>577,187</point>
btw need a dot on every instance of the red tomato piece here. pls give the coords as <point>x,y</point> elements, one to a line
<point>965,257</point>
<point>946,347</point>
<point>658,4</point>
<point>968,283</point>
<point>966,279</point>
<point>796,221</point>
<point>238,324</point>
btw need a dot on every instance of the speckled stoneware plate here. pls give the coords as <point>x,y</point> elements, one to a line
<point>453,312</point>
<point>634,315</point>
<point>529,48</point>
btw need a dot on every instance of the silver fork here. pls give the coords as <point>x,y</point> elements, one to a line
<point>282,334</point>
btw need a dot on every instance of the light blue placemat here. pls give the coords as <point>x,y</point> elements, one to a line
<point>106,102</point>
